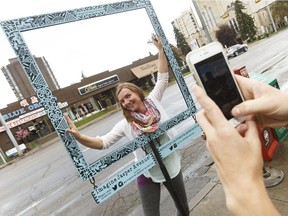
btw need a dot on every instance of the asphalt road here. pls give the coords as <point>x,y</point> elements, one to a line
<point>47,183</point>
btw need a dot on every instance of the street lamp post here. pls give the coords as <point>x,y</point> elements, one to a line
<point>207,34</point>
<point>271,18</point>
<point>10,135</point>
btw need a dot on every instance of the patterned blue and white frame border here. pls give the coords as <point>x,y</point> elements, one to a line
<point>13,29</point>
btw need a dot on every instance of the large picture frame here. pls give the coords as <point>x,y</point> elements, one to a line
<point>13,30</point>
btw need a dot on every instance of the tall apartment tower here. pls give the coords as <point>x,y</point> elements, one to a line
<point>19,82</point>
<point>187,25</point>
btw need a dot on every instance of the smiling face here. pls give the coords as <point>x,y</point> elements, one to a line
<point>131,100</point>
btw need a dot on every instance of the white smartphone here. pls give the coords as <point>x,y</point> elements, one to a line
<point>212,71</point>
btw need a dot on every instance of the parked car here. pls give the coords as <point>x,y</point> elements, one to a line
<point>236,49</point>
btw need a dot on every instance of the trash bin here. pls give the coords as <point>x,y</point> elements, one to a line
<point>269,142</point>
<point>242,71</point>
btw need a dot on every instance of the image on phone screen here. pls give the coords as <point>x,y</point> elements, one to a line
<point>218,83</point>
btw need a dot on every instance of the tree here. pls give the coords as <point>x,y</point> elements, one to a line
<point>181,42</point>
<point>226,35</point>
<point>247,28</point>
<point>176,55</point>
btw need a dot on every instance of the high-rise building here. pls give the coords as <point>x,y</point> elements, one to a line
<point>19,81</point>
<point>186,24</point>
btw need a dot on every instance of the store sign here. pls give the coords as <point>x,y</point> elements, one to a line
<point>26,107</point>
<point>26,117</point>
<point>20,121</point>
<point>145,69</point>
<point>97,85</point>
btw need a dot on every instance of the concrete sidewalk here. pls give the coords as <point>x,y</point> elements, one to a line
<point>211,200</point>
<point>205,192</point>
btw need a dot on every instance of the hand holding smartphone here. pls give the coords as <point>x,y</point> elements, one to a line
<point>213,74</point>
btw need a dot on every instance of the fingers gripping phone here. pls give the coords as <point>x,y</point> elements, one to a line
<point>212,72</point>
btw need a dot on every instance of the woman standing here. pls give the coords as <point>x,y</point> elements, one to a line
<point>143,115</point>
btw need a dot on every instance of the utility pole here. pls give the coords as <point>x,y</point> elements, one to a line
<point>10,135</point>
<point>271,18</point>
<point>207,34</point>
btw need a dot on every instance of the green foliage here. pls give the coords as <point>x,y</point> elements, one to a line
<point>247,28</point>
<point>7,159</point>
<point>181,42</point>
<point>226,35</point>
<point>34,144</point>
<point>90,118</point>
<point>178,59</point>
<point>173,79</point>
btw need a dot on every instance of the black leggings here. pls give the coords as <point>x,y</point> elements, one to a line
<point>150,196</point>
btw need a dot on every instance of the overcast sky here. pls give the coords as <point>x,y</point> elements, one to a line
<point>91,46</point>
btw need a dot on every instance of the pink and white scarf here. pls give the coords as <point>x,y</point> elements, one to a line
<point>149,120</point>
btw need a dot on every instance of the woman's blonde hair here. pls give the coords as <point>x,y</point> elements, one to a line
<point>132,87</point>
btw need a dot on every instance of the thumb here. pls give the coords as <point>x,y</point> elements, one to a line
<point>249,107</point>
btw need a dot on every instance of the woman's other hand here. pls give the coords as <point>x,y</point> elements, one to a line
<point>72,128</point>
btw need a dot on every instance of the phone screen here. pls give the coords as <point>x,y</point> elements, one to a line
<point>218,82</point>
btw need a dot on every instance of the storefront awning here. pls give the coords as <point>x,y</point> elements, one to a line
<point>145,69</point>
